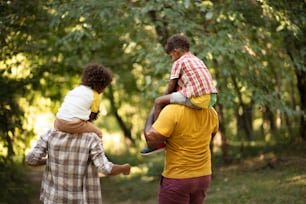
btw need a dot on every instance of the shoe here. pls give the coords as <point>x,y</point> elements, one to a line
<point>147,151</point>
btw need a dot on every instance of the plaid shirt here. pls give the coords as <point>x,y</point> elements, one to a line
<point>73,162</point>
<point>194,77</point>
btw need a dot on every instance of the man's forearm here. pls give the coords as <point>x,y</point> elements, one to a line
<point>153,138</point>
<point>32,161</point>
<point>38,154</point>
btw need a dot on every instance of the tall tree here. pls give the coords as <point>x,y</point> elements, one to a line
<point>253,49</point>
<point>291,19</point>
<point>20,45</point>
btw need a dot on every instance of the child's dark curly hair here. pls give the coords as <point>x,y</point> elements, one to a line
<point>96,76</point>
<point>177,41</point>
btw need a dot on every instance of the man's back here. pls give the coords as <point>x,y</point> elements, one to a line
<point>71,173</point>
<point>188,133</point>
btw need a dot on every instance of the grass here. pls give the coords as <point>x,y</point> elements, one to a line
<point>139,187</point>
<point>274,175</point>
<point>284,181</point>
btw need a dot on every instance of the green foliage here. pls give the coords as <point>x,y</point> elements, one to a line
<point>255,51</point>
<point>11,114</point>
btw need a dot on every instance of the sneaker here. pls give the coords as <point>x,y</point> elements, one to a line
<point>147,151</point>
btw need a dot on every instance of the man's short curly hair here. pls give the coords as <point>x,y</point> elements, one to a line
<point>177,41</point>
<point>96,76</point>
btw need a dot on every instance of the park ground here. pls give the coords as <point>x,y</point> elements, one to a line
<point>272,177</point>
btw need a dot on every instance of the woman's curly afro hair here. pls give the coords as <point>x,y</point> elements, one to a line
<point>96,76</point>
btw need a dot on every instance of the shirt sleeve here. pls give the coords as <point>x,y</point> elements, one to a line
<point>95,106</point>
<point>176,70</point>
<point>217,119</point>
<point>37,155</point>
<point>166,121</point>
<point>98,157</point>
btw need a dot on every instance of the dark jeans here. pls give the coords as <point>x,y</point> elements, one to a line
<point>183,191</point>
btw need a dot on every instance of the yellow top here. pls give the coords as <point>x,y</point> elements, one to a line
<point>95,106</point>
<point>188,133</point>
<point>204,101</point>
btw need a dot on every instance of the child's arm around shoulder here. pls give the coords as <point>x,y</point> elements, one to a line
<point>172,86</point>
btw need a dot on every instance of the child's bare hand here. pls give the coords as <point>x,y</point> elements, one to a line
<point>93,116</point>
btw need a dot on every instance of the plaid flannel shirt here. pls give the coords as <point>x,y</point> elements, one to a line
<point>194,77</point>
<point>73,163</point>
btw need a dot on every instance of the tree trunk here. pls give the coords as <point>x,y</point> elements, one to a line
<point>161,25</point>
<point>244,120</point>
<point>302,89</point>
<point>126,131</point>
<point>268,121</point>
<point>300,73</point>
<point>114,110</point>
<point>10,149</point>
<point>222,130</point>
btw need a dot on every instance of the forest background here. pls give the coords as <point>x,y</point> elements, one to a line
<point>255,50</point>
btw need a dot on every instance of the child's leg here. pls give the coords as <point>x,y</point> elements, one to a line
<point>76,126</point>
<point>85,126</point>
<point>179,98</point>
<point>159,103</point>
<point>175,97</point>
<point>149,121</point>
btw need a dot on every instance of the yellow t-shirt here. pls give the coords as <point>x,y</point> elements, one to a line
<point>188,133</point>
<point>95,106</point>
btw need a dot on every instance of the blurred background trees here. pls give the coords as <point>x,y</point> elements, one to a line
<point>254,49</point>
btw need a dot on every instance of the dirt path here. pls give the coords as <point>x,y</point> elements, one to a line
<point>35,174</point>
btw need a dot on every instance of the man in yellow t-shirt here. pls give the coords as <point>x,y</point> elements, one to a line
<point>187,134</point>
<point>190,82</point>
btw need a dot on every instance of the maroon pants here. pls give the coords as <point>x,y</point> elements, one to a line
<point>183,191</point>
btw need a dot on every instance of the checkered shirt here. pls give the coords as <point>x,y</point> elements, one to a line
<point>73,163</point>
<point>194,77</point>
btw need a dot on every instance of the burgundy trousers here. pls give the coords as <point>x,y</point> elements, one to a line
<point>183,191</point>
